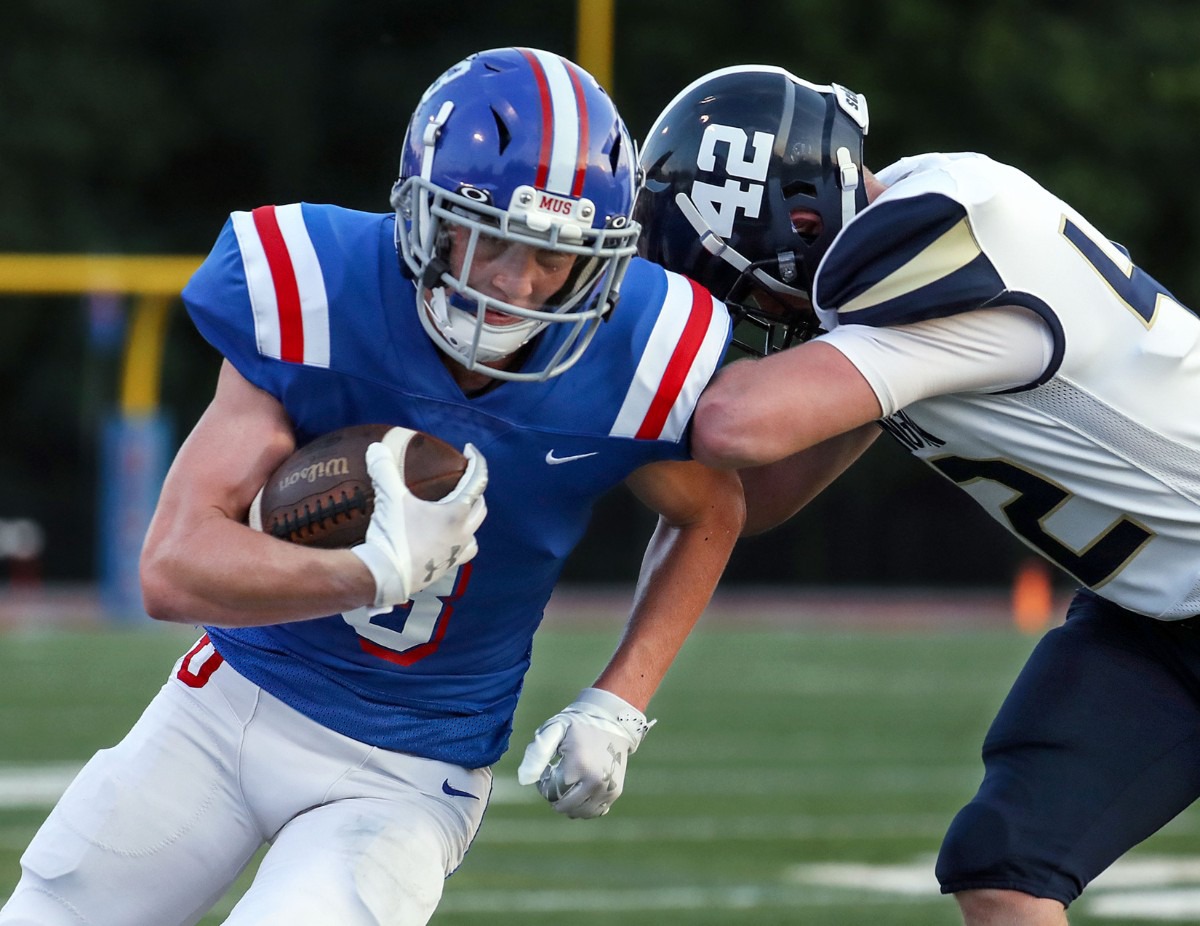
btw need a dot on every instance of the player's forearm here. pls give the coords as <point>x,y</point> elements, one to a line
<point>679,573</point>
<point>774,493</point>
<point>224,573</point>
<point>757,412</point>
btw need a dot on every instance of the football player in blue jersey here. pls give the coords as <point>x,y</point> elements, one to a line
<point>954,303</point>
<point>344,706</point>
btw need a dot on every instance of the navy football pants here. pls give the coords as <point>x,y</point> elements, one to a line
<point>1096,747</point>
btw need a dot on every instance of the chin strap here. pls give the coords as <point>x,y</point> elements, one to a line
<point>848,181</point>
<point>429,141</point>
<point>473,342</point>
<point>718,247</point>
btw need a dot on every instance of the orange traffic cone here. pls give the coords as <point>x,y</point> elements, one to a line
<point>1032,596</point>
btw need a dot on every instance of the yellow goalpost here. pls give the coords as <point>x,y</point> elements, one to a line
<point>135,445</point>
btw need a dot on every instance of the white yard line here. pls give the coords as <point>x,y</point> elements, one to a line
<point>35,785</point>
<point>1178,906</point>
<point>1164,888</point>
<point>716,830</point>
<point>731,897</point>
<point>1141,887</point>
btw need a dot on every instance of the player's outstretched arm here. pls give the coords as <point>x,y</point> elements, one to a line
<point>201,563</point>
<point>776,491</point>
<point>758,411</point>
<point>579,756</point>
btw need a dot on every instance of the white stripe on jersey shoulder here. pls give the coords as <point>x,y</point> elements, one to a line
<point>314,301</point>
<point>259,285</point>
<point>663,394</point>
<point>275,321</point>
<point>564,124</point>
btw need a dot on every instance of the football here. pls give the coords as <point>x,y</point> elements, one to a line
<point>321,495</point>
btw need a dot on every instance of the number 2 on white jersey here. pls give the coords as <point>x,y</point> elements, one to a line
<point>423,621</point>
<point>1035,499</point>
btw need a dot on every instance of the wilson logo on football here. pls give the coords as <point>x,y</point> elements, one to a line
<point>322,495</point>
<point>337,466</point>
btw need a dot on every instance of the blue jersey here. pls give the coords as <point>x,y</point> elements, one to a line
<point>309,304</point>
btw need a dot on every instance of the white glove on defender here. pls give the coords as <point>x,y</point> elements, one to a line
<point>578,756</point>
<point>411,543</point>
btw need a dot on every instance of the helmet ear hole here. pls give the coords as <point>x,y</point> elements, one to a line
<point>807,223</point>
<point>502,131</point>
<point>614,154</point>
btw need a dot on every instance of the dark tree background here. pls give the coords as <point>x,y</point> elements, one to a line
<point>133,126</point>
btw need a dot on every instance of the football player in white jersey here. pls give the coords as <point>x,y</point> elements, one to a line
<point>345,706</point>
<point>954,303</point>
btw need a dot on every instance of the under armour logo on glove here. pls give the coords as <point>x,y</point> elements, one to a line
<point>610,777</point>
<point>577,757</point>
<point>410,542</point>
<point>434,569</point>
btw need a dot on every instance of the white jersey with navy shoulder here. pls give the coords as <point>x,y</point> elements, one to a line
<point>309,304</point>
<point>1096,462</point>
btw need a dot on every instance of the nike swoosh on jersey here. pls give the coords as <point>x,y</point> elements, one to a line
<point>448,788</point>
<point>552,459</point>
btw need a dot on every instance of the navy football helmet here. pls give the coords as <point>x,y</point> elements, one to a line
<point>515,145</point>
<point>750,173</point>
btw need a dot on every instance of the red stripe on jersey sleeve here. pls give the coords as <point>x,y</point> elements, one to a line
<point>582,156</point>
<point>287,291</point>
<point>680,363</point>
<point>543,171</point>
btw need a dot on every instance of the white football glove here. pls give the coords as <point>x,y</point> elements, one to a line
<point>412,543</point>
<point>578,756</point>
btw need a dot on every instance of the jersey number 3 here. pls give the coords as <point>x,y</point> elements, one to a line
<point>422,622</point>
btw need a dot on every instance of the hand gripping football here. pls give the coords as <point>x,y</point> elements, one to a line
<point>321,495</point>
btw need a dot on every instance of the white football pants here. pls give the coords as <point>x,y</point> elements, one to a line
<point>154,831</point>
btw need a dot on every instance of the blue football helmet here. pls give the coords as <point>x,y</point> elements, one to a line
<point>750,173</point>
<point>515,145</point>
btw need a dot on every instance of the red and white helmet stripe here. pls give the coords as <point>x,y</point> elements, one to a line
<point>562,162</point>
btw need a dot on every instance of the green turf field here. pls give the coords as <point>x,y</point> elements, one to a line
<point>795,777</point>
